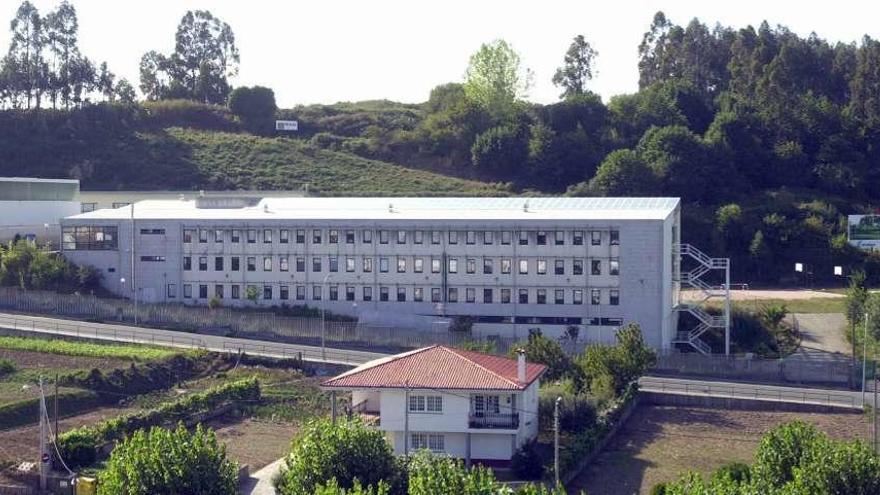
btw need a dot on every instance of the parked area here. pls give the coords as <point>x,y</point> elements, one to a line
<point>658,443</point>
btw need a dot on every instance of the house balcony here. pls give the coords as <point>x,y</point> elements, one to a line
<point>494,421</point>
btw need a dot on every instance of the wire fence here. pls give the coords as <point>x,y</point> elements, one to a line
<point>752,392</point>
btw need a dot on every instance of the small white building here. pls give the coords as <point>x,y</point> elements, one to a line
<point>468,405</point>
<point>33,208</point>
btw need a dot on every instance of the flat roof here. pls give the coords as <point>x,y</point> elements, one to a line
<point>37,180</point>
<point>357,208</point>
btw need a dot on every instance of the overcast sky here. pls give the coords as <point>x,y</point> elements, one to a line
<point>323,51</point>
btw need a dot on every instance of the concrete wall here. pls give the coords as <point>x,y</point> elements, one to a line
<point>30,218</point>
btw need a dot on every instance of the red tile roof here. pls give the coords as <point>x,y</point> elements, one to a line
<point>439,367</point>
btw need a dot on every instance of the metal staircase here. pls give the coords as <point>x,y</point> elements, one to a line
<point>692,278</point>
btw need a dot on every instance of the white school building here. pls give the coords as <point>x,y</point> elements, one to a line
<point>511,264</point>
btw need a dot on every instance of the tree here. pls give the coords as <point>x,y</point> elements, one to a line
<point>346,451</point>
<point>125,91</point>
<point>619,365</point>
<point>252,293</point>
<point>577,70</point>
<point>495,78</point>
<point>540,349</point>
<point>106,82</point>
<point>782,450</point>
<point>62,29</point>
<point>255,107</point>
<point>623,173</point>
<point>172,462</point>
<point>26,49</point>
<point>501,151</point>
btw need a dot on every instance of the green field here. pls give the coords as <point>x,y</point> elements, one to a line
<point>87,349</point>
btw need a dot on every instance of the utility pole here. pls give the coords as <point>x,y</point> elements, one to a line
<point>55,431</point>
<point>406,419</point>
<point>865,359</point>
<point>876,383</point>
<point>556,439</point>
<point>133,268</point>
<point>44,454</point>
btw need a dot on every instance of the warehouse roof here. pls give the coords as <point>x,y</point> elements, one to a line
<point>330,208</point>
<point>438,367</point>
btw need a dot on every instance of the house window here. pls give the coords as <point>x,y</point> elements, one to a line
<point>470,295</point>
<point>435,237</point>
<point>334,264</point>
<point>435,294</point>
<point>577,238</point>
<point>542,267</point>
<point>523,267</point>
<point>187,291</point>
<point>452,295</point>
<point>171,291</point>
<point>559,267</point>
<point>453,265</point>
<point>614,297</point>
<point>595,297</point>
<point>471,265</point>
<point>505,296</point>
<point>236,292</point>
<point>383,265</point>
<point>401,237</point>
<point>349,264</point>
<point>577,267</point>
<point>418,237</point>
<point>434,403</point>
<point>203,263</point>
<point>560,237</point>
<point>349,237</point>
<point>284,293</point>
<point>283,263</point>
<point>559,296</point>
<point>300,236</point>
<point>615,237</point>
<point>614,267</point>
<point>333,236</point>
<point>267,263</point>
<point>596,267</point>
<point>596,238</point>
<point>368,264</point>
<point>524,296</point>
<point>487,296</point>
<point>235,263</point>
<point>383,237</point>
<point>488,266</point>
<point>401,264</point>
<point>523,238</point>
<point>401,294</point>
<point>187,263</point>
<point>470,237</point>
<point>577,296</point>
<point>367,236</point>
<point>203,236</point>
<point>435,265</point>
<point>418,294</point>
<point>487,404</point>
<point>541,238</point>
<point>316,264</point>
<point>383,294</point>
<point>418,265</point>
<point>218,263</point>
<point>349,293</point>
<point>251,236</point>
<point>542,296</point>
<point>284,236</point>
<point>368,293</point>
<point>267,236</point>
<point>505,237</point>
<point>235,237</point>
<point>316,236</point>
<point>300,292</point>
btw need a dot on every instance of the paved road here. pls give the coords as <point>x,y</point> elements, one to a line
<point>260,483</point>
<point>752,391</point>
<point>143,335</point>
<point>822,335</point>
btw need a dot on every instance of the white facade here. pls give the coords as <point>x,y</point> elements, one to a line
<point>33,208</point>
<point>514,264</point>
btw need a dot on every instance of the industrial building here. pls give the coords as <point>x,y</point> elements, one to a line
<point>33,208</point>
<point>512,264</point>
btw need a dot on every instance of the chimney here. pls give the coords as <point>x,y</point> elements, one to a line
<point>521,366</point>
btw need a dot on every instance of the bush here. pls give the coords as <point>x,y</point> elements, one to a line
<point>540,349</point>
<point>25,265</point>
<point>171,462</point>
<point>6,367</point>
<point>78,448</point>
<point>345,451</point>
<point>187,113</point>
<point>255,107</point>
<point>613,368</point>
<point>526,463</point>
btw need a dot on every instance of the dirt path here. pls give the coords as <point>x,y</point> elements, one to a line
<point>660,442</point>
<point>821,334</point>
<point>255,443</point>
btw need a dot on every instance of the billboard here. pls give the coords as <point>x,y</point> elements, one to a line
<point>863,231</point>
<point>286,125</point>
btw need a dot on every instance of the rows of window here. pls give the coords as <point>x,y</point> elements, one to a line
<point>337,236</point>
<point>336,292</point>
<point>89,238</point>
<point>435,442</point>
<point>405,264</point>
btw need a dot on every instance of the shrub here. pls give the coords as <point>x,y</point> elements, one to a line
<point>540,349</point>
<point>615,367</point>
<point>172,462</point>
<point>332,488</point>
<point>6,367</point>
<point>345,451</point>
<point>255,107</point>
<point>187,113</point>
<point>527,463</point>
<point>78,448</point>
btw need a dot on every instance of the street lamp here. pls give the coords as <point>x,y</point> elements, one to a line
<point>323,319</point>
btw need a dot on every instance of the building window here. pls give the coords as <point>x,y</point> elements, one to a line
<point>470,237</point>
<point>596,267</point>
<point>505,296</point>
<point>596,238</point>
<point>300,265</point>
<point>559,267</point>
<point>470,295</point>
<point>383,294</point>
<point>542,267</point>
<point>541,238</point>
<point>577,267</point>
<point>523,238</point>
<point>615,237</point>
<point>218,263</point>
<point>349,237</point>
<point>614,267</point>
<point>418,265</point>
<point>316,292</point>
<point>187,263</point>
<point>334,264</point>
<point>368,264</point>
<point>487,296</point>
<point>235,236</point>
<point>316,264</point>
<point>251,236</point>
<point>368,293</point>
<point>234,263</point>
<point>152,258</point>
<point>267,292</point>
<point>614,297</point>
<point>187,291</point>
<point>284,236</point>
<point>471,265</point>
<point>523,267</point>
<point>316,236</point>
<point>283,264</point>
<point>577,238</point>
<point>218,291</point>
<point>203,291</point>
<point>435,265</point>
<point>560,237</point>
<point>595,297</point>
<point>487,404</point>
<point>349,264</point>
<point>524,296</point>
<point>542,296</point>
<point>383,265</point>
<point>418,294</point>
<point>435,294</point>
<point>367,236</point>
<point>505,265</point>
<point>157,232</point>
<point>251,264</point>
<point>453,237</point>
<point>300,292</point>
<point>418,237</point>
<point>559,296</point>
<point>203,263</point>
<point>284,292</point>
<point>383,237</point>
<point>434,403</point>
<point>203,236</point>
<point>236,292</point>
<point>435,237</point>
<point>453,265</point>
<point>87,207</point>
<point>577,296</point>
<point>333,236</point>
<point>349,293</point>
<point>218,235</point>
<point>488,266</point>
<point>401,294</point>
<point>401,264</point>
<point>334,292</point>
<point>171,291</point>
<point>187,236</point>
<point>505,237</point>
<point>85,238</point>
<point>300,236</point>
<point>401,237</point>
<point>452,295</point>
<point>488,237</point>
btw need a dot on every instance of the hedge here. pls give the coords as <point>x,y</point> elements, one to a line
<point>27,411</point>
<point>141,378</point>
<point>79,446</point>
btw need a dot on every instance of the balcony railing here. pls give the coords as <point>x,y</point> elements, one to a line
<point>494,421</point>
<point>370,418</point>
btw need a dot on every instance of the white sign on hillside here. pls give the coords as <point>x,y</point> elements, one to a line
<point>286,125</point>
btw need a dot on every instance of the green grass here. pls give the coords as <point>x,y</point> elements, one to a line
<point>87,349</point>
<point>812,305</point>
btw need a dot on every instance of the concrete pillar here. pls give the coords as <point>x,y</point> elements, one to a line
<point>333,406</point>
<point>467,453</point>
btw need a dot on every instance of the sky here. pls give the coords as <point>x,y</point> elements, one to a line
<point>324,51</point>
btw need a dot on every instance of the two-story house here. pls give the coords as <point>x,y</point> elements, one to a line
<point>469,405</point>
